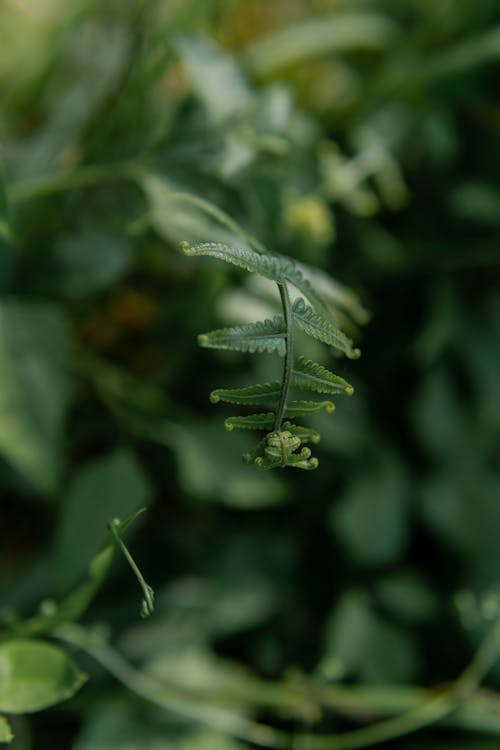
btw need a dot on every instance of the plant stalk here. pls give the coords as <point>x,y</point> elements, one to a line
<point>288,367</point>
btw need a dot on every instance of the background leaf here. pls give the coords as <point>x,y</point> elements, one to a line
<point>113,487</point>
<point>35,675</point>
<point>34,388</point>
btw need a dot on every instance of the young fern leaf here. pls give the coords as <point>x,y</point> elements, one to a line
<point>252,395</point>
<point>305,434</point>
<point>251,422</point>
<point>320,328</point>
<point>264,336</point>
<point>282,444</point>
<point>314,377</point>
<point>303,408</point>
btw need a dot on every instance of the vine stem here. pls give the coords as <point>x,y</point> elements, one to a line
<point>241,727</point>
<point>288,366</point>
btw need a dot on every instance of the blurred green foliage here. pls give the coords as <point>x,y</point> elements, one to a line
<point>360,137</point>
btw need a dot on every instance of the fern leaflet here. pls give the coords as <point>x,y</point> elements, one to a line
<point>314,377</point>
<point>264,336</point>
<point>320,328</point>
<point>252,395</point>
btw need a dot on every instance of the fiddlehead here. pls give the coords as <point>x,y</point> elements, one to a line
<point>283,443</point>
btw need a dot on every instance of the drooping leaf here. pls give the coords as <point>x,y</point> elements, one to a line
<point>251,422</point>
<point>264,336</point>
<point>302,408</point>
<point>5,730</point>
<point>320,328</point>
<point>314,377</point>
<point>35,675</point>
<point>34,388</point>
<point>266,265</point>
<point>306,434</point>
<point>252,395</point>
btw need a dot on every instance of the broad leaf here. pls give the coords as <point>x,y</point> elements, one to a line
<point>302,408</point>
<point>320,328</point>
<point>314,377</point>
<point>35,675</point>
<point>34,385</point>
<point>252,395</point>
<point>90,261</point>
<point>263,336</point>
<point>5,730</point>
<point>265,265</point>
<point>113,486</point>
<point>251,422</point>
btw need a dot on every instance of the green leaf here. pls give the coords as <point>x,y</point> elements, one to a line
<point>215,78</point>
<point>90,261</point>
<point>263,336</point>
<point>306,434</point>
<point>315,377</point>
<point>35,675</point>
<point>5,730</point>
<point>6,233</point>
<point>265,265</point>
<point>310,37</point>
<point>251,422</point>
<point>210,468</point>
<point>320,328</point>
<point>302,408</point>
<point>371,518</point>
<point>113,486</point>
<point>34,389</point>
<point>252,395</point>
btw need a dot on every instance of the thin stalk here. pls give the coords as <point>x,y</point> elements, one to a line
<point>288,366</point>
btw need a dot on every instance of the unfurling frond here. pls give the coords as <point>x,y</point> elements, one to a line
<point>264,336</point>
<point>252,395</point>
<point>265,265</point>
<point>251,422</point>
<point>306,434</point>
<point>314,377</point>
<point>317,326</point>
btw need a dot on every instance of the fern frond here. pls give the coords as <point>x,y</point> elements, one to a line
<point>251,395</point>
<point>251,422</point>
<point>303,408</point>
<point>305,434</point>
<point>314,377</point>
<point>317,326</point>
<point>264,336</point>
<point>265,265</point>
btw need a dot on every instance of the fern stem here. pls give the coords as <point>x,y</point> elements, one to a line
<point>288,366</point>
